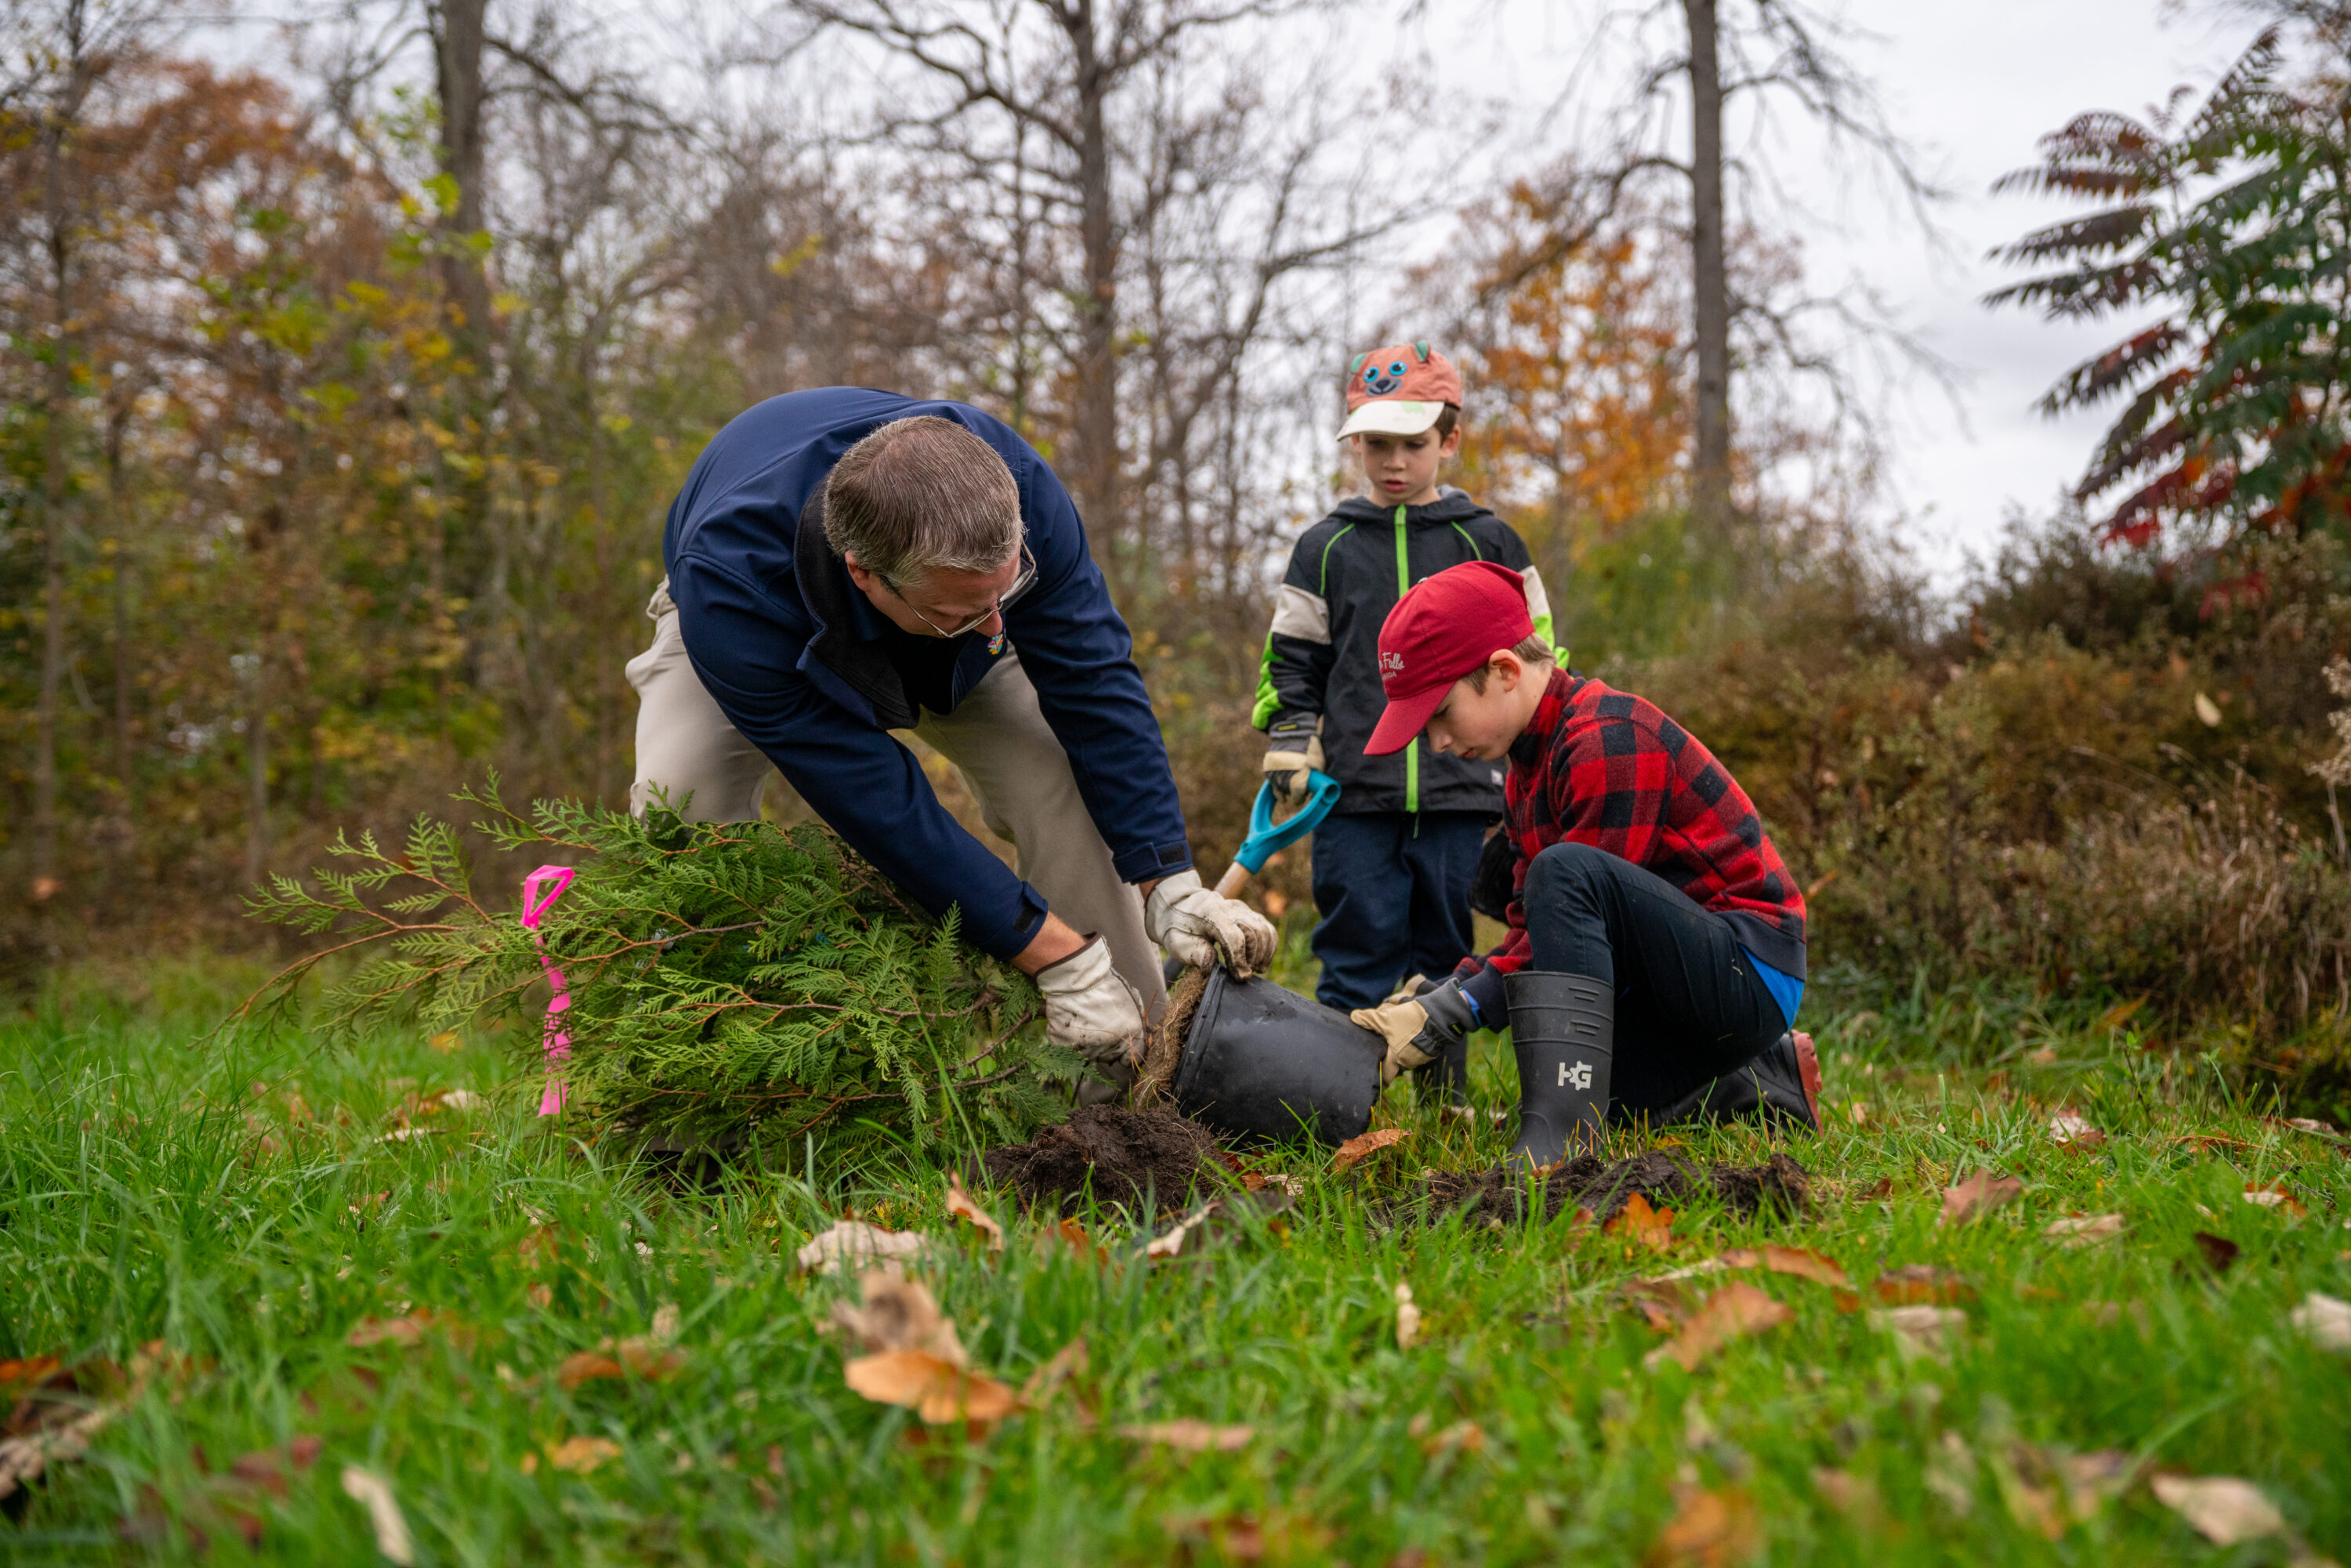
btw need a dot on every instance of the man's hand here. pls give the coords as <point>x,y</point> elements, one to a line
<point>1196,925</point>
<point>1419,1029</point>
<point>1090,1009</point>
<point>1293,747</point>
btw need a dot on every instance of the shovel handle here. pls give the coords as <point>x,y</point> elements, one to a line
<point>1236,878</point>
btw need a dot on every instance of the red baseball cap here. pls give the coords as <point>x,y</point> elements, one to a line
<point>1399,390</point>
<point>1445,627</point>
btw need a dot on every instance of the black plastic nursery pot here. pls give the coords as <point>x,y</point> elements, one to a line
<point>1261,1061</point>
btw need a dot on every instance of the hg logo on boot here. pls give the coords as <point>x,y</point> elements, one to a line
<point>1576,1077</point>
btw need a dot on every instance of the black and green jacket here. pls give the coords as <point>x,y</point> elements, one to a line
<point>1322,655</point>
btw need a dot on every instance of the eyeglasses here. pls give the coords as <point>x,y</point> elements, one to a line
<point>1019,585</point>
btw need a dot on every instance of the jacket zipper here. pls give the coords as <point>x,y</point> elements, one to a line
<point>1411,752</point>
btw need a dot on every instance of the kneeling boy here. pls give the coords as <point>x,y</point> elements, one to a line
<point>1655,956</point>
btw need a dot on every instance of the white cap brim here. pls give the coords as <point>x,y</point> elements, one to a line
<point>1391,416</point>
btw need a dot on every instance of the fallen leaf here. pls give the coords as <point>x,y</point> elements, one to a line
<point>1921,1283</point>
<point>854,1241</point>
<point>461,1100</point>
<point>585,1367</point>
<point>1951,1474</point>
<point>2275,1196</point>
<point>1879,1190</point>
<point>1709,1529</point>
<point>2224,1510</point>
<point>1858,1112</point>
<point>1072,1235</point>
<point>961,1207</point>
<point>23,1458</point>
<point>2323,1320</point>
<point>1804,1264</point>
<point>446,1041</point>
<point>1638,1223</point>
<point>1190,1435</point>
<point>2065,1127</point>
<point>2218,1252</point>
<point>2092,1478</point>
<point>372,1492</point>
<point>1921,1329</point>
<point>2208,712</point>
<point>937,1390</point>
<point>1977,1195</point>
<point>1172,1243</point>
<point>1661,1300</point>
<point>2045,1057</point>
<point>1356,1150</point>
<point>581,1455</point>
<point>409,1330</point>
<point>1045,1381</point>
<point>666,1319</point>
<point>898,1313</point>
<point>1854,1496</point>
<point>1464,1435</point>
<point>1408,1321</point>
<point>2085,1230</point>
<point>1736,1310</point>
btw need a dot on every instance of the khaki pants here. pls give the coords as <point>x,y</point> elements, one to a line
<point>997,739</point>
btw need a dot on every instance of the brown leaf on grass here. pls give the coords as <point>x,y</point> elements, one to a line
<point>1171,1244</point>
<point>1464,1435</point>
<point>898,1313</point>
<point>854,1241</point>
<point>1190,1435</point>
<point>1804,1264</point>
<point>1662,1302</point>
<point>2066,1127</point>
<point>2218,1251</point>
<point>1235,1537</point>
<point>2275,1196</point>
<point>1640,1224</point>
<point>636,1356</point>
<point>1356,1150</point>
<point>1072,1235</point>
<point>961,1207</point>
<point>1855,1497</point>
<point>2224,1510</point>
<point>411,1330</point>
<point>372,1492</point>
<point>2083,1230</point>
<point>937,1390</point>
<point>1068,1362</point>
<point>581,1455</point>
<point>1709,1529</point>
<point>266,1469</point>
<point>1736,1309</point>
<point>1975,1197</point>
<point>585,1367</point>
<point>537,1250</point>
<point>1916,1282</point>
<point>1921,1329</point>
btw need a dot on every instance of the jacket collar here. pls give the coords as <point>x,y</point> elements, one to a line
<point>840,648</point>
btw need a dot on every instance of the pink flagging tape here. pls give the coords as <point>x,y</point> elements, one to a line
<point>557,880</point>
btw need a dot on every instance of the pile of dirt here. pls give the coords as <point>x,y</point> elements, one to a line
<point>1605,1188</point>
<point>1130,1157</point>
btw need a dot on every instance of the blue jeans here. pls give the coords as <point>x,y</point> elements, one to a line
<point>1393,889</point>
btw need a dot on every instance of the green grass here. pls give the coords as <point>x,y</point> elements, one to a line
<point>139,1201</point>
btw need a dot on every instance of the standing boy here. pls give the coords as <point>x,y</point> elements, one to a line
<point>1393,862</point>
<point>1657,945</point>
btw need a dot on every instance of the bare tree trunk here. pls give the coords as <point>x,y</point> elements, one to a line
<point>53,520</point>
<point>457,64</point>
<point>1711,277</point>
<point>1097,420</point>
<point>256,761</point>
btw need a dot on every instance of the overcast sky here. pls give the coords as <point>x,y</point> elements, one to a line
<point>1972,86</point>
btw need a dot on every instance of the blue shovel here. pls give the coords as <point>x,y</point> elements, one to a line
<point>1266,835</point>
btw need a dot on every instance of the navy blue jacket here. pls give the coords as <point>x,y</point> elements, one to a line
<point>810,673</point>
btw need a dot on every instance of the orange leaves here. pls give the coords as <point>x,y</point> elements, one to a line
<point>1356,1150</point>
<point>1190,1435</point>
<point>1975,1197</point>
<point>634,1357</point>
<point>961,1207</point>
<point>935,1389</point>
<point>1921,1283</point>
<point>1732,1313</point>
<point>1644,1227</point>
<point>1709,1529</point>
<point>411,1330</point>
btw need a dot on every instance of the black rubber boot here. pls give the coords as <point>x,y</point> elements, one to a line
<point>1563,1031</point>
<point>1769,1088</point>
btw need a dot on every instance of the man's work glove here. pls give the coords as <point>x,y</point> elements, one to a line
<point>1419,1028</point>
<point>1090,1009</point>
<point>1293,747</point>
<point>1196,925</point>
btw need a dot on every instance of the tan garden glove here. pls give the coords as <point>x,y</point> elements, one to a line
<point>1196,925</point>
<point>1091,1010</point>
<point>1419,1029</point>
<point>1293,747</point>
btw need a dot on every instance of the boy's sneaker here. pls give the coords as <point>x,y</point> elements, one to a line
<point>1782,1084</point>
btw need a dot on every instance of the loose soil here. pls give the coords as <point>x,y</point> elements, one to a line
<point>1122,1154</point>
<point>1586,1182</point>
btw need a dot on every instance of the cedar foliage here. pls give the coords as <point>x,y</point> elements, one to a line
<point>739,983</point>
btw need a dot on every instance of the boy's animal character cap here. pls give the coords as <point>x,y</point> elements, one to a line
<point>1399,390</point>
<point>1445,627</point>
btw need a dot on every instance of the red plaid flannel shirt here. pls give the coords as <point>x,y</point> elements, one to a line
<point>1605,767</point>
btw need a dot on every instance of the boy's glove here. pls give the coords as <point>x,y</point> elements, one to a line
<point>1293,747</point>
<point>1195,924</point>
<point>1090,1009</point>
<point>1419,1029</point>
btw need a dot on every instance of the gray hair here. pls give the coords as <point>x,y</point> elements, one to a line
<point>919,496</point>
